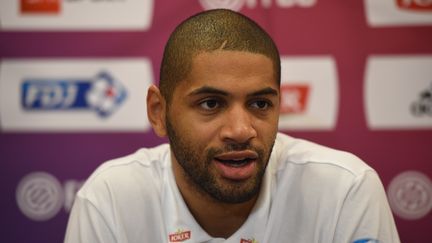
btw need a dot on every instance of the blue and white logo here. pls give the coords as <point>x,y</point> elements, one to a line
<point>366,240</point>
<point>101,94</point>
<point>74,95</point>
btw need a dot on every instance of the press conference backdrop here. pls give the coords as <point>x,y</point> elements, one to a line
<point>356,75</point>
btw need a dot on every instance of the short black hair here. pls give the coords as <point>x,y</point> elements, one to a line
<point>209,31</point>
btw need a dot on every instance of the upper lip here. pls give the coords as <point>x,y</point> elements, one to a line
<point>238,155</point>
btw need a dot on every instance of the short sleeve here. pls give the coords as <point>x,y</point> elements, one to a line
<point>365,214</point>
<point>86,224</point>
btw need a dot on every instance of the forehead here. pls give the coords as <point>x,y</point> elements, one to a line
<point>230,61</point>
<point>229,69</point>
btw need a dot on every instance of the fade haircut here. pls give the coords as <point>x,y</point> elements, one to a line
<point>219,29</point>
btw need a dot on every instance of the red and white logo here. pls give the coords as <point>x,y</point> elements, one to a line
<point>40,6</point>
<point>248,240</point>
<point>294,98</point>
<point>398,12</point>
<point>309,93</point>
<point>416,5</point>
<point>180,236</point>
<point>76,14</point>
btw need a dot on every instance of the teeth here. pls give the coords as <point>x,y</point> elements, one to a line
<point>236,163</point>
<point>239,164</point>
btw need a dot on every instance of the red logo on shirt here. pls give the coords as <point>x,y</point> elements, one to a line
<point>294,98</point>
<point>248,241</point>
<point>180,236</point>
<point>417,5</point>
<point>40,6</point>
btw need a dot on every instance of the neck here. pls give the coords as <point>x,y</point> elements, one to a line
<point>217,218</point>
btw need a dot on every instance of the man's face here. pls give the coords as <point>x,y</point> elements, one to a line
<point>222,123</point>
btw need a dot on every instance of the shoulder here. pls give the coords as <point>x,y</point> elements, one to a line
<point>146,159</point>
<point>292,152</point>
<point>303,170</point>
<point>120,197</point>
<point>137,172</point>
<point>327,188</point>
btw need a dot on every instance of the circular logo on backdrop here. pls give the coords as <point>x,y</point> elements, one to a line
<point>410,195</point>
<point>229,4</point>
<point>39,196</point>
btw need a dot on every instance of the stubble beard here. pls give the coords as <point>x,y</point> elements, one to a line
<point>196,165</point>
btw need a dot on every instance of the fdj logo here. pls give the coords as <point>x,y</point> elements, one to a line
<point>102,94</point>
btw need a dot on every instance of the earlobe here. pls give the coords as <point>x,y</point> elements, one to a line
<point>156,110</point>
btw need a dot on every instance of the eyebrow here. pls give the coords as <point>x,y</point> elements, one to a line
<point>265,91</point>
<point>208,90</point>
<point>211,90</point>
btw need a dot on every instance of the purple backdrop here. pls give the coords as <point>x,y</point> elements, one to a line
<point>332,27</point>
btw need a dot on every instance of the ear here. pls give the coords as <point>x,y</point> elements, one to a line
<point>156,110</point>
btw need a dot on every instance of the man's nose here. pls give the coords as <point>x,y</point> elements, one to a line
<point>238,126</point>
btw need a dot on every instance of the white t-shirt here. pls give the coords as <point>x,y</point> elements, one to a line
<point>310,194</point>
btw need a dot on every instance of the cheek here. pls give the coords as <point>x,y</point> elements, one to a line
<point>267,131</point>
<point>268,126</point>
<point>203,127</point>
<point>205,135</point>
<point>196,131</point>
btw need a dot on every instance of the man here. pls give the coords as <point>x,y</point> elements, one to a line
<point>227,175</point>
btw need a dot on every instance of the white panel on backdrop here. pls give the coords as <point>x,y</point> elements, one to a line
<point>76,14</point>
<point>398,12</point>
<point>74,94</point>
<point>230,4</point>
<point>239,4</point>
<point>309,93</point>
<point>398,92</point>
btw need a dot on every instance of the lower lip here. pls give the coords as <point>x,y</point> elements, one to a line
<point>236,173</point>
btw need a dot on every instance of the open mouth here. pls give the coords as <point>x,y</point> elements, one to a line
<point>237,165</point>
<point>237,158</point>
<point>236,162</point>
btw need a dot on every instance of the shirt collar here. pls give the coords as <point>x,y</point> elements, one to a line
<point>179,221</point>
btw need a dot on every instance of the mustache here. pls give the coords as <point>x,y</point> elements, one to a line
<point>230,147</point>
<point>238,147</point>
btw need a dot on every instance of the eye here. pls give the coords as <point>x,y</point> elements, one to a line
<point>261,104</point>
<point>209,104</point>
